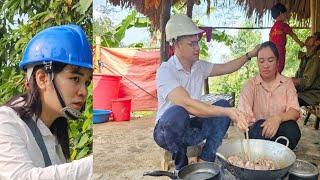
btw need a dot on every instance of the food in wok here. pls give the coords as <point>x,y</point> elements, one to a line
<point>257,164</point>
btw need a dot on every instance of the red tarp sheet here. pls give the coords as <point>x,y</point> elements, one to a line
<point>138,66</point>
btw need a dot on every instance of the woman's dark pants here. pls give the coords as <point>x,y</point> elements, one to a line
<point>289,129</point>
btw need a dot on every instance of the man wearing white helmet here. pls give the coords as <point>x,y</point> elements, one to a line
<point>179,85</point>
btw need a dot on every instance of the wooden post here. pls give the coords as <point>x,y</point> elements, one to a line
<point>312,16</point>
<point>164,17</point>
<point>98,54</point>
<point>317,16</point>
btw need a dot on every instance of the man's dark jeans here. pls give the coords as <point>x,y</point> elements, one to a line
<point>289,129</point>
<point>175,131</point>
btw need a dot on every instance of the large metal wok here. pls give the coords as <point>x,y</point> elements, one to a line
<point>281,155</point>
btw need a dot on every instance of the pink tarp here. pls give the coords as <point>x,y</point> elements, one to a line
<point>138,69</point>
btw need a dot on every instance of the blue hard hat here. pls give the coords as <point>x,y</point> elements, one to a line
<point>66,44</point>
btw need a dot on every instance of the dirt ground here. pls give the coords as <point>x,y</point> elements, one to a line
<point>125,150</point>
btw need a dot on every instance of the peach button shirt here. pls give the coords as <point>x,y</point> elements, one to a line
<point>259,101</point>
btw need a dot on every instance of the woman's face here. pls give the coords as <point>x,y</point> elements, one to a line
<point>267,63</point>
<point>72,84</point>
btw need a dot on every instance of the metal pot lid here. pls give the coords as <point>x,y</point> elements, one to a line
<point>303,168</point>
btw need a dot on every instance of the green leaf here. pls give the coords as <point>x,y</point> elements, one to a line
<point>84,5</point>
<point>121,29</point>
<point>86,125</point>
<point>74,154</point>
<point>84,139</point>
<point>49,16</point>
<point>142,22</point>
<point>39,15</point>
<point>82,153</point>
<point>73,129</point>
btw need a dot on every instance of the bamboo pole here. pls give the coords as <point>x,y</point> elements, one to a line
<point>98,54</point>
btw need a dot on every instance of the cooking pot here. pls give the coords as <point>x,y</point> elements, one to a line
<point>281,155</point>
<point>196,171</point>
<point>303,170</point>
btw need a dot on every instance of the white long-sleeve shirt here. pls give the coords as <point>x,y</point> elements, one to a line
<point>21,157</point>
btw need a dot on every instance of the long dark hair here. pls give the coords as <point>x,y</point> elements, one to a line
<point>28,104</point>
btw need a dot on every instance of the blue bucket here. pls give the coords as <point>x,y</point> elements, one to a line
<point>100,116</point>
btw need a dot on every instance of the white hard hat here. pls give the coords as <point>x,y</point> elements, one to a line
<point>180,25</point>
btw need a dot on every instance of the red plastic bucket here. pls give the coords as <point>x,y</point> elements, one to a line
<point>121,109</point>
<point>105,89</point>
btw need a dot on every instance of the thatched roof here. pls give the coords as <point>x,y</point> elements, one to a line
<point>299,9</point>
<point>254,8</point>
<point>149,8</point>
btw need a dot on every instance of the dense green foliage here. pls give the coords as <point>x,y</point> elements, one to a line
<point>19,22</point>
<point>112,35</point>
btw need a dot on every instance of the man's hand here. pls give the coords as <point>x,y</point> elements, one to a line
<point>254,52</point>
<point>271,126</point>
<point>241,119</point>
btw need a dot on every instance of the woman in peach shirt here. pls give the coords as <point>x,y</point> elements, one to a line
<point>271,99</point>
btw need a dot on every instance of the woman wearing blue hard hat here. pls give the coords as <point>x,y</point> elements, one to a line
<point>34,141</point>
